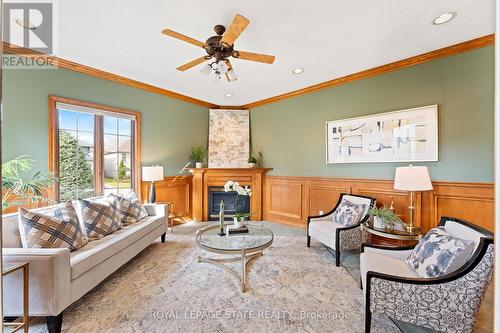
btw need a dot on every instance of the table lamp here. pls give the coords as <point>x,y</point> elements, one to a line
<point>151,174</point>
<point>412,179</point>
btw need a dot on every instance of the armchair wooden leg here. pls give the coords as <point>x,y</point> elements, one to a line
<point>54,323</point>
<point>368,321</point>
<point>308,241</point>
<point>337,258</point>
<point>163,238</point>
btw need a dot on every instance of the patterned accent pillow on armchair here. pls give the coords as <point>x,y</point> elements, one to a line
<point>101,217</point>
<point>57,228</point>
<point>131,209</point>
<point>348,213</point>
<point>439,253</point>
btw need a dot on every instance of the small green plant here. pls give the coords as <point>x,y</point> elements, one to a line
<point>18,187</point>
<point>198,153</point>
<point>122,170</point>
<point>386,214</point>
<point>252,159</point>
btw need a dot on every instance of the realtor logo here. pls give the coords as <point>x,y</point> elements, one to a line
<point>29,25</point>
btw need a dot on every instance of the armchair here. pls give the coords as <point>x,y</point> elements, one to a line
<point>448,303</point>
<point>335,235</point>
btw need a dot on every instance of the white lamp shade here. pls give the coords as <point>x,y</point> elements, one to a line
<point>412,178</point>
<point>152,173</point>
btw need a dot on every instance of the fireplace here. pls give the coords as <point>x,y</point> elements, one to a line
<point>216,194</point>
<point>205,178</point>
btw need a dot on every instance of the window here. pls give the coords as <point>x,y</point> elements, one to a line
<point>93,149</point>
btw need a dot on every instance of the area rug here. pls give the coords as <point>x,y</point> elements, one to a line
<point>291,288</point>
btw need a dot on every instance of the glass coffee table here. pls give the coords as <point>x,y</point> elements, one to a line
<point>241,247</point>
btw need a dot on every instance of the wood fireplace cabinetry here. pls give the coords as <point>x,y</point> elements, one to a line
<point>203,178</point>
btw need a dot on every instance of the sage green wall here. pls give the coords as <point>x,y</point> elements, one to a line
<point>169,126</point>
<point>291,133</point>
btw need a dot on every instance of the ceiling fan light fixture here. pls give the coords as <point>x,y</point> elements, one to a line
<point>222,67</point>
<point>206,70</point>
<point>215,77</point>
<point>298,70</point>
<point>231,75</point>
<point>444,18</point>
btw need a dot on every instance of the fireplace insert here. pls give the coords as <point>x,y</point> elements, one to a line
<point>216,194</point>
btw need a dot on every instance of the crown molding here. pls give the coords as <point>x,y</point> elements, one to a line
<point>67,64</point>
<point>412,61</point>
<point>405,63</point>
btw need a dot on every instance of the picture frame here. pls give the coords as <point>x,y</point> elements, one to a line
<point>408,135</point>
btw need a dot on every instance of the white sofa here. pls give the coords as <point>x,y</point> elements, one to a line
<point>58,277</point>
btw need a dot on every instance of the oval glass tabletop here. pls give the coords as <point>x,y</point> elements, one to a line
<point>257,238</point>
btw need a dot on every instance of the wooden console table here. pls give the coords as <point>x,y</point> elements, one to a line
<point>203,178</point>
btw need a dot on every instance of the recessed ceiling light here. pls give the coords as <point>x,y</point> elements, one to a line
<point>229,95</point>
<point>443,18</point>
<point>298,70</point>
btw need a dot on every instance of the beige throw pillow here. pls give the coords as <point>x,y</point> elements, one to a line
<point>101,217</point>
<point>55,228</point>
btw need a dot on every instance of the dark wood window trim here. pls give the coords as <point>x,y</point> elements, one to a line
<point>98,162</point>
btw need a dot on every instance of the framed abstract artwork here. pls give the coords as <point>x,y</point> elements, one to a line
<point>409,135</point>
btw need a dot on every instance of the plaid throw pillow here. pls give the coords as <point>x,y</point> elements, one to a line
<point>57,228</point>
<point>131,209</point>
<point>101,217</point>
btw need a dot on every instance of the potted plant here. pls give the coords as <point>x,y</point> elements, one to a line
<point>198,154</point>
<point>232,186</point>
<point>252,161</point>
<point>382,217</point>
<point>19,188</point>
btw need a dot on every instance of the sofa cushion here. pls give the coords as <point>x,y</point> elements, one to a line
<point>57,228</point>
<point>97,251</point>
<point>324,231</point>
<point>439,253</point>
<point>131,209</point>
<point>100,217</point>
<point>348,213</point>
<point>383,264</point>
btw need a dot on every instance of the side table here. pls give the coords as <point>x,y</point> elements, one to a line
<point>391,233</point>
<point>9,269</point>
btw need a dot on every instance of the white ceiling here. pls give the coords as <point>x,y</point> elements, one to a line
<point>328,38</point>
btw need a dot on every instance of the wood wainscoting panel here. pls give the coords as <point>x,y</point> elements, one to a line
<point>473,202</point>
<point>322,198</point>
<point>285,202</point>
<point>175,189</point>
<point>292,199</point>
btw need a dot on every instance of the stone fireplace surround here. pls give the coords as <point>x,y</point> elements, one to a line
<point>203,178</point>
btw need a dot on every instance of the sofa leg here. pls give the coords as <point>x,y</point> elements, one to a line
<point>308,241</point>
<point>337,258</point>
<point>163,238</point>
<point>368,321</point>
<point>54,323</point>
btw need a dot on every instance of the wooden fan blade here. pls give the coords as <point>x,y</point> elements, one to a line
<point>190,64</point>
<point>235,29</point>
<point>267,59</point>
<point>182,37</point>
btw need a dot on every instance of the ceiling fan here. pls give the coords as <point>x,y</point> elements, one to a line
<point>220,48</point>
